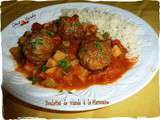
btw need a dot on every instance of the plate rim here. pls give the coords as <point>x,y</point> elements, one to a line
<point>118,100</point>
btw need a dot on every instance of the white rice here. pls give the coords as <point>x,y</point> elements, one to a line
<point>117,27</point>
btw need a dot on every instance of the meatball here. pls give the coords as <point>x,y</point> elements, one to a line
<point>70,28</point>
<point>95,54</point>
<point>39,48</point>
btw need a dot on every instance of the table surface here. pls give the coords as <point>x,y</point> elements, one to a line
<point>143,103</point>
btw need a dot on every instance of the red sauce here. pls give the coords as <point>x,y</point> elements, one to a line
<point>110,74</point>
<point>72,79</point>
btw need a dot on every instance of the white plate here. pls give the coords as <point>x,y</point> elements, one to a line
<point>131,82</point>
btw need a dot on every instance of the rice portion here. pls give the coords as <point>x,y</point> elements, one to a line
<point>117,27</point>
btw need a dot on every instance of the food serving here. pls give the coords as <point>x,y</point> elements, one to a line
<point>67,54</point>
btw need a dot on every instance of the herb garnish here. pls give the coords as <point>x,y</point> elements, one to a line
<point>43,68</point>
<point>64,16</point>
<point>64,48</point>
<point>61,91</point>
<point>98,45</point>
<point>37,42</point>
<point>32,79</point>
<point>69,92</point>
<point>76,24</point>
<point>51,34</point>
<point>71,30</point>
<point>63,64</point>
<point>68,24</point>
<point>104,35</point>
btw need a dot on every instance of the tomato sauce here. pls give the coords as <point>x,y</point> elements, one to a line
<point>77,77</point>
<point>117,67</point>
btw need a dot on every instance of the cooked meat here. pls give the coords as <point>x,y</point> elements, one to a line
<point>70,28</point>
<point>17,54</point>
<point>90,29</point>
<point>95,54</point>
<point>68,54</point>
<point>36,27</point>
<point>51,26</point>
<point>39,48</point>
